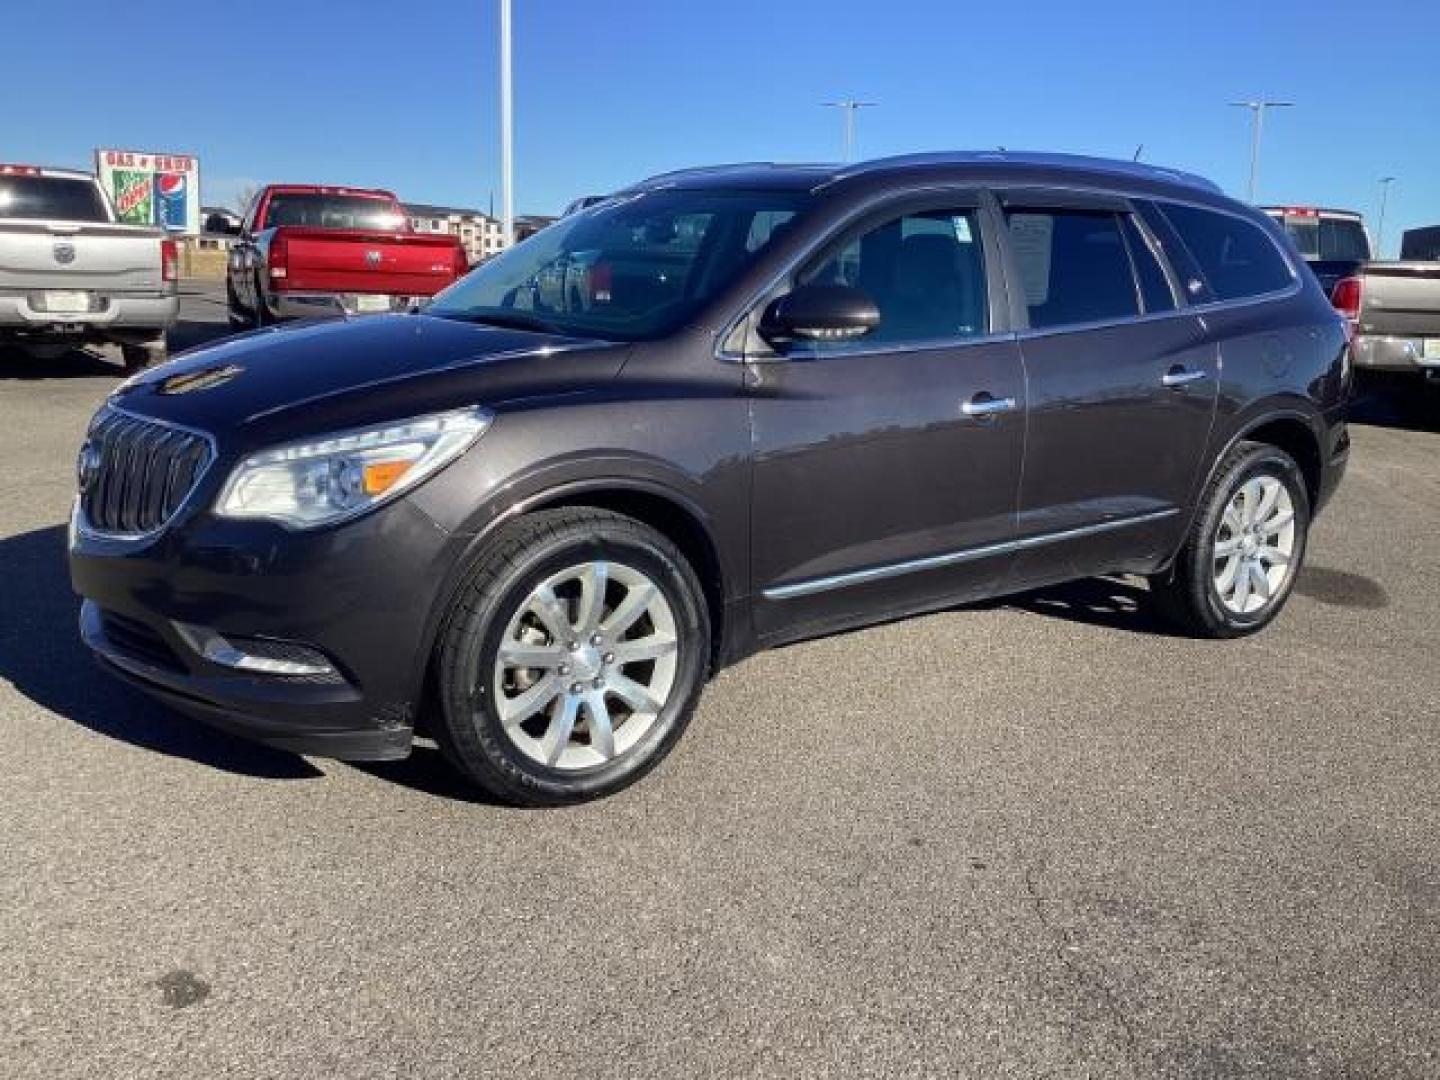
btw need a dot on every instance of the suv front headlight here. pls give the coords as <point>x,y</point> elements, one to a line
<point>334,477</point>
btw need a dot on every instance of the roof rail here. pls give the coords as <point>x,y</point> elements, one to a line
<point>1138,169</point>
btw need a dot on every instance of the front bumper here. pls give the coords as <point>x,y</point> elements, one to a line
<point>132,315</point>
<point>1375,352</point>
<point>361,595</point>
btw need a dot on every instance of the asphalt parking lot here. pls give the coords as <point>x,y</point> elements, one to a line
<point>1034,838</point>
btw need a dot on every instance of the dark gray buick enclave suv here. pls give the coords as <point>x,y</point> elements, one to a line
<point>723,409</point>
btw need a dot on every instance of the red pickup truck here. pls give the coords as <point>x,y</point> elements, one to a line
<point>313,252</point>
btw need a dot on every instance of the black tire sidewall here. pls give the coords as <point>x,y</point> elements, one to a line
<point>474,726</point>
<point>1259,461</point>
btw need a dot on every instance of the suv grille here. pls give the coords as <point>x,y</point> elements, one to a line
<point>136,473</point>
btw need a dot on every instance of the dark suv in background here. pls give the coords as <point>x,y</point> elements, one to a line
<point>724,409</point>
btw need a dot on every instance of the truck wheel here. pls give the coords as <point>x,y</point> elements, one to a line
<point>571,658</point>
<point>146,354</point>
<point>261,315</point>
<point>234,313</point>
<point>1245,548</point>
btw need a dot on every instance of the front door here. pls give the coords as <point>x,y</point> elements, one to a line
<point>886,469</point>
<point>1122,390</point>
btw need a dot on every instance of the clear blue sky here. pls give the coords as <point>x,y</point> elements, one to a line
<point>403,95</point>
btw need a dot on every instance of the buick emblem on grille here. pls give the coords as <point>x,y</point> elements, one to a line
<point>64,253</point>
<point>87,466</point>
<point>373,258</point>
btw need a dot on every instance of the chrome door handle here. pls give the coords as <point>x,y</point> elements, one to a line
<point>985,405</point>
<point>1177,377</point>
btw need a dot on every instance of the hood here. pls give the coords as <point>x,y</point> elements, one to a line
<point>327,376</point>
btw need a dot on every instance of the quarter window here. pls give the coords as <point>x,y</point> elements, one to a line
<point>925,272</point>
<point>1237,258</point>
<point>1073,266</point>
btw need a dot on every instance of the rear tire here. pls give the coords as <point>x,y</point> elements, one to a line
<point>1246,546</point>
<point>616,656</point>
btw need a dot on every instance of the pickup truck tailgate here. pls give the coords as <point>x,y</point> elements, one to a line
<point>1401,299</point>
<point>110,258</point>
<point>333,260</point>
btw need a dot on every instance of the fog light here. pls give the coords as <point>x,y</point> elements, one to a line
<point>257,655</point>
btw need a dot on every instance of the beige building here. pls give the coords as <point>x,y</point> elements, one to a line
<point>481,234</point>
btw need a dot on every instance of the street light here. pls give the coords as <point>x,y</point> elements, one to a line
<point>507,131</point>
<point>850,108</point>
<point>1385,182</point>
<point>1257,109</point>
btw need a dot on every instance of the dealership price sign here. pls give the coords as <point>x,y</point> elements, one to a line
<point>152,189</point>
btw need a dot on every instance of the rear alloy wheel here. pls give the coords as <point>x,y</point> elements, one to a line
<point>571,659</point>
<point>1246,546</point>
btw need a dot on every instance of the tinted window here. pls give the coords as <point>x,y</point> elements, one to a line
<point>924,271</point>
<point>1343,240</point>
<point>1073,266</point>
<point>333,212</point>
<point>1236,257</point>
<point>629,268</point>
<point>1154,288</point>
<point>50,198</point>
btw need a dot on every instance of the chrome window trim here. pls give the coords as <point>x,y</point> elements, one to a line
<point>952,558</point>
<point>980,188</point>
<point>82,524</point>
<point>929,345</point>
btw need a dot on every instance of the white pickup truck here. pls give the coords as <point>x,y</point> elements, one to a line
<point>70,274</point>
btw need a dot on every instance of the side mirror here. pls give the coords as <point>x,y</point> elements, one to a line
<point>819,313</point>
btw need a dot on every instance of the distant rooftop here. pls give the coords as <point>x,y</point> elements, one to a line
<point>431,210</point>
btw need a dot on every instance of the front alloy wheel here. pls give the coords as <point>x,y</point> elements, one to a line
<point>586,665</point>
<point>571,658</point>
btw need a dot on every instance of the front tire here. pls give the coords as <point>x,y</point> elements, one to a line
<point>571,658</point>
<point>1245,548</point>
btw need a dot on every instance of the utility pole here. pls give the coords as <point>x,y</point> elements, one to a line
<point>849,108</point>
<point>507,130</point>
<point>1257,128</point>
<point>1385,182</point>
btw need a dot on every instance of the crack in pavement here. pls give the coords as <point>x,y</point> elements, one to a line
<point>1065,951</point>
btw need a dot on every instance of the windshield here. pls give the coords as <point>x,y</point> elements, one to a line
<point>632,268</point>
<point>332,212</point>
<point>51,198</point>
<point>1328,239</point>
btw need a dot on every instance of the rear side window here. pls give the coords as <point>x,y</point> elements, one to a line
<point>51,198</point>
<point>1073,265</point>
<point>1237,258</point>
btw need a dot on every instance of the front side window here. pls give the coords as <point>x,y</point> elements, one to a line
<point>629,268</point>
<point>925,272</point>
<point>1238,259</point>
<point>1073,266</point>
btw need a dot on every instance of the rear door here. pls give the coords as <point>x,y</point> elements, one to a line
<point>1122,386</point>
<point>886,469</point>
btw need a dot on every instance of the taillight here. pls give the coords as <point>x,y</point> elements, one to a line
<point>169,261</point>
<point>1348,296</point>
<point>462,261</point>
<point>277,261</point>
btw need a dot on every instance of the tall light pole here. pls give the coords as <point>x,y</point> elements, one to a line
<point>1257,128</point>
<point>850,108</point>
<point>507,130</point>
<point>1385,182</point>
